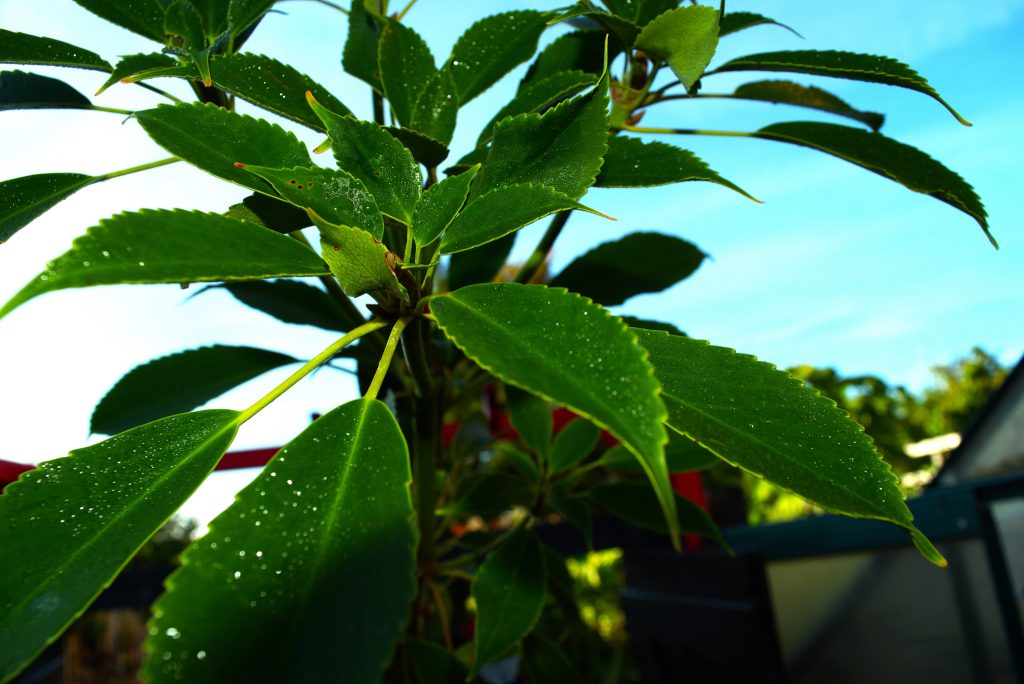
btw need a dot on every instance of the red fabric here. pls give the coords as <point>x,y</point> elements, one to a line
<point>9,471</point>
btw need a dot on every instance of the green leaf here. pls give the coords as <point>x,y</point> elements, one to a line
<point>335,195</point>
<point>908,166</point>
<point>573,443</point>
<point>507,456</point>
<point>20,90</point>
<point>214,139</point>
<point>772,425</point>
<point>243,14</point>
<point>501,211</point>
<point>640,12</point>
<point>179,383</point>
<point>183,26</point>
<point>291,301</point>
<point>144,17</point>
<point>509,590</point>
<point>22,48</point>
<point>135,67</point>
<point>364,30</point>
<point>439,205</point>
<point>24,199</point>
<point>576,51</point>
<point>787,92</point>
<point>433,664</point>
<point>74,522</point>
<point>424,149</point>
<point>543,662</point>
<point>538,95</point>
<point>613,272</point>
<point>839,64</point>
<point>436,108</point>
<point>274,86</point>
<point>359,261</point>
<point>686,38</point>
<point>682,454</point>
<point>574,509</point>
<point>624,30</point>
<point>311,568</point>
<point>545,340</point>
<point>634,322</point>
<point>561,148</point>
<point>479,265</point>
<point>161,246</point>
<point>634,502</point>
<point>490,495</point>
<point>530,415</point>
<point>268,212</point>
<point>491,48</point>
<point>375,157</point>
<point>633,163</point>
<point>405,67</point>
<point>732,22</point>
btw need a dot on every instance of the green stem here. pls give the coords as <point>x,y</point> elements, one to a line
<point>385,359</point>
<point>112,110</point>
<point>326,3</point>
<point>407,7</point>
<point>378,108</point>
<point>689,131</point>
<point>483,550</point>
<point>540,254</point>
<point>310,366</point>
<point>425,452</point>
<point>156,90</point>
<point>136,169</point>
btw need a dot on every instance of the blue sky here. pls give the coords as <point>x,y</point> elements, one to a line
<point>839,267</point>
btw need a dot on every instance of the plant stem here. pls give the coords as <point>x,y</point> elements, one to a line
<point>385,359</point>
<point>536,260</point>
<point>136,169</point>
<point>485,549</point>
<point>689,131</point>
<point>378,108</point>
<point>407,7</point>
<point>310,366</point>
<point>112,110</point>
<point>326,3</point>
<point>156,90</point>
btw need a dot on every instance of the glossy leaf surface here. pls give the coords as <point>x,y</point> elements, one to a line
<point>622,29</point>
<point>242,14</point>
<point>272,85</point>
<point>501,211</point>
<point>161,246</point>
<point>144,17</point>
<point>268,212</point>
<point>436,109</point>
<point>74,522</point>
<point>481,264</point>
<point>613,272</point>
<point>24,199</point>
<point>787,92</point>
<point>20,90</point>
<point>576,51</point>
<point>524,334</point>
<point>733,22</point>
<point>214,139</point>
<point>375,157</point>
<point>439,205</point>
<point>358,260</point>
<point>538,95</point>
<point>685,37</point>
<point>490,495</point>
<point>333,194</point>
<point>23,48</point>
<point>179,383</point>
<point>774,426</point>
<point>311,568</point>
<point>424,149</point>
<point>908,166</point>
<point>634,502</point>
<point>361,45</point>
<point>406,65</point>
<point>433,664</point>
<point>491,48</point>
<point>134,67</point>
<point>633,163</point>
<point>530,415</point>
<point>509,590</point>
<point>562,148</point>
<point>573,443</point>
<point>840,64</point>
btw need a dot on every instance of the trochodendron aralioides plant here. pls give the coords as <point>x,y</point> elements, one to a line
<point>344,560</point>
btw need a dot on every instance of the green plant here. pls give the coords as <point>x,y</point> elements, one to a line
<point>348,557</point>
